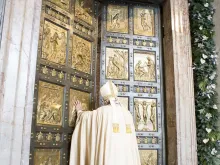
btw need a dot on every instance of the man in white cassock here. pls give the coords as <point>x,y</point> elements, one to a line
<point>105,136</point>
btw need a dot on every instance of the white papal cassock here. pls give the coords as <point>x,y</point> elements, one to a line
<point>105,136</point>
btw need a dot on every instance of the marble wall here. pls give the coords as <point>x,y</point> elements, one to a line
<point>2,12</point>
<point>179,91</point>
<point>17,75</point>
<point>18,55</point>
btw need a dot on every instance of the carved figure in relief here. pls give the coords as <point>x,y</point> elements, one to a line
<point>146,21</point>
<point>47,157</point>
<point>54,43</point>
<point>144,68</point>
<point>49,104</point>
<point>144,105</point>
<point>117,19</point>
<point>81,57</point>
<point>114,21</point>
<point>145,110</point>
<point>153,115</point>
<point>110,67</point>
<point>151,68</point>
<point>47,36</point>
<point>148,157</point>
<point>49,162</point>
<point>139,69</point>
<point>63,43</point>
<point>117,64</point>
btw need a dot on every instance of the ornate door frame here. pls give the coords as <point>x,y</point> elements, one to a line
<point>131,89</point>
<point>179,94</point>
<point>66,66</point>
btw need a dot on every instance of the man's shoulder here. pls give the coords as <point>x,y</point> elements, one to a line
<point>104,108</point>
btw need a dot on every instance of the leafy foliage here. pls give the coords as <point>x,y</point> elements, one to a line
<point>205,67</point>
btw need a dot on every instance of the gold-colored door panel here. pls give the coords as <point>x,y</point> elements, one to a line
<point>131,58</point>
<point>81,54</point>
<point>144,21</point>
<point>54,43</point>
<point>84,98</point>
<point>144,66</point>
<point>84,10</point>
<point>47,157</point>
<point>65,73</point>
<point>117,19</point>
<point>116,63</point>
<point>64,4</point>
<point>145,114</point>
<point>148,157</point>
<point>50,100</point>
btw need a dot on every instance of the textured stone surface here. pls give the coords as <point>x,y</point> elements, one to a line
<point>17,69</point>
<point>179,92</point>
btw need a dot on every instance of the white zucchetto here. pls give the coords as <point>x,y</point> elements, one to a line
<point>109,91</point>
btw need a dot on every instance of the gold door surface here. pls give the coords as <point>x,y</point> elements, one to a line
<point>131,58</point>
<point>65,73</point>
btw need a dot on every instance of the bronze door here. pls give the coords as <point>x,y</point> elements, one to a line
<point>65,72</point>
<point>131,58</point>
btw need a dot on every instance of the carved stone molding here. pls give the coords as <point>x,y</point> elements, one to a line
<point>18,56</point>
<point>180,110</point>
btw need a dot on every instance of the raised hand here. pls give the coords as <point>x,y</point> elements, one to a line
<point>78,106</point>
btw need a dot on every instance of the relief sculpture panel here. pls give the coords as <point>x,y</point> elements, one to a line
<point>64,4</point>
<point>148,157</point>
<point>145,114</point>
<point>84,98</point>
<point>84,10</point>
<point>144,66</point>
<point>82,53</point>
<point>117,19</point>
<point>47,157</point>
<point>54,43</point>
<point>49,108</point>
<point>144,21</point>
<point>117,63</point>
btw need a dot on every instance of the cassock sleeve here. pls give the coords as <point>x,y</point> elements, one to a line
<point>87,140</point>
<point>80,144</point>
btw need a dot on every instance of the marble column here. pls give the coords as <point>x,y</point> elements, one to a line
<point>180,108</point>
<point>18,56</point>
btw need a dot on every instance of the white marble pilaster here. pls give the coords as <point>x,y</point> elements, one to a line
<point>184,89</point>
<point>18,55</point>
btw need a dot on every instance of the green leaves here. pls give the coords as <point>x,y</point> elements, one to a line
<point>204,60</point>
